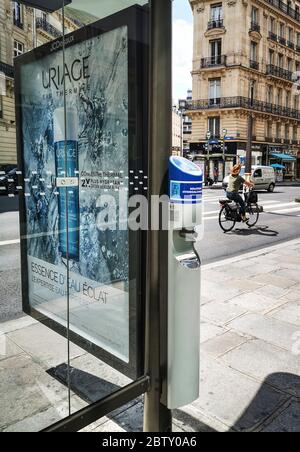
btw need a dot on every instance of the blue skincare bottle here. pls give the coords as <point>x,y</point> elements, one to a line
<point>67,166</point>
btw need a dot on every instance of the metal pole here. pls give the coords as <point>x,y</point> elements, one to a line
<point>250,130</point>
<point>157,418</point>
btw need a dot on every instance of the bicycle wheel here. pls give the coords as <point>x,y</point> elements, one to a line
<point>253,211</point>
<point>225,221</point>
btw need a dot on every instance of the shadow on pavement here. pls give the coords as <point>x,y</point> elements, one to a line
<point>258,416</point>
<point>261,231</point>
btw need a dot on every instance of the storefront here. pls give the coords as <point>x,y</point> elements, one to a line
<point>286,162</point>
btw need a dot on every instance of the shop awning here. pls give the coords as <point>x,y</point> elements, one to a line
<point>277,166</point>
<point>286,157</point>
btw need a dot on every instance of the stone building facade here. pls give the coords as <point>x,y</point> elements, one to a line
<point>21,29</point>
<point>246,59</point>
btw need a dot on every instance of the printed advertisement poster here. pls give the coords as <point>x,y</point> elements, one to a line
<point>76,159</point>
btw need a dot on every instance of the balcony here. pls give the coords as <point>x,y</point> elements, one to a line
<point>291,45</point>
<point>255,27</point>
<point>7,70</point>
<point>219,60</point>
<point>273,36</point>
<point>287,141</point>
<point>243,102</point>
<point>45,26</point>
<point>295,142</point>
<point>269,139</point>
<point>298,48</point>
<point>282,40</point>
<point>279,4</point>
<point>278,140</point>
<point>254,65</point>
<point>277,71</point>
<point>212,24</point>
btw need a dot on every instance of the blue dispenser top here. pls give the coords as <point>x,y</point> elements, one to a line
<point>184,170</point>
<point>186,180</point>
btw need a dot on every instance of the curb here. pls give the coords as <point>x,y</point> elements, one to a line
<point>251,255</point>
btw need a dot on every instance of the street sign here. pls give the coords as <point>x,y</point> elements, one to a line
<point>81,122</point>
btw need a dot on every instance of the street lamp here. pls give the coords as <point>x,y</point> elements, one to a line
<point>208,137</point>
<point>250,130</point>
<point>224,134</point>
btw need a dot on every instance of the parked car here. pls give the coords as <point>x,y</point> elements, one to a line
<point>264,178</point>
<point>8,179</point>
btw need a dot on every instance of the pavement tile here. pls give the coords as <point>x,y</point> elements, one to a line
<point>270,291</point>
<point>220,345</point>
<point>234,399</point>
<point>292,295</point>
<point>254,303</point>
<point>190,419</point>
<point>267,363</point>
<point>292,274</point>
<point>267,329</point>
<point>244,286</point>
<point>275,280</point>
<point>44,345</point>
<point>288,421</point>
<point>17,324</point>
<point>46,418</point>
<point>289,312</point>
<point>221,313</point>
<point>8,348</point>
<point>218,291</point>
<point>209,331</point>
<point>26,390</point>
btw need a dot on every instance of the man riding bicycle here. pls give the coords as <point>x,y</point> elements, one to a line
<point>234,184</point>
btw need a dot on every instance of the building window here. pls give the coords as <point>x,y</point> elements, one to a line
<point>295,133</point>
<point>291,35</point>
<point>1,106</point>
<point>279,97</point>
<point>280,61</point>
<point>278,131</point>
<point>287,100</point>
<point>216,51</point>
<point>269,129</point>
<point>214,126</point>
<point>282,30</point>
<point>287,132</point>
<point>18,48</point>
<point>271,57</point>
<point>272,25</point>
<point>270,95</point>
<point>18,14</point>
<point>254,15</point>
<point>216,12</point>
<point>253,51</point>
<point>290,64</point>
<point>215,91</point>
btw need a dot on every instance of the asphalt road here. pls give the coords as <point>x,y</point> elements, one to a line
<point>280,222</point>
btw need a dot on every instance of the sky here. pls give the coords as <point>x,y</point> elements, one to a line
<point>182,48</point>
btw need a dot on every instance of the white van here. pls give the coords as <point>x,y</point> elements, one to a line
<point>263,177</point>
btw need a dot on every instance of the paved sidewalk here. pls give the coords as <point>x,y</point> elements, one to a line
<point>250,357</point>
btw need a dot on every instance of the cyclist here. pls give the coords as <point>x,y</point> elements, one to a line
<point>234,184</point>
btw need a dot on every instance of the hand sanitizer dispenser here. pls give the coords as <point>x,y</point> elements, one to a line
<point>186,228</point>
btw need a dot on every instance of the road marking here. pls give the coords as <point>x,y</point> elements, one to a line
<point>290,204</point>
<point>287,210</point>
<point>10,242</point>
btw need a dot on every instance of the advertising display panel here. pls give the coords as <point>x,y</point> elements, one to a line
<point>82,144</point>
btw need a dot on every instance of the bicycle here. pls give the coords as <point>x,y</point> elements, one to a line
<point>230,212</point>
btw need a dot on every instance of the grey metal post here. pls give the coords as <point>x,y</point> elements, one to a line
<point>157,418</point>
<point>250,131</point>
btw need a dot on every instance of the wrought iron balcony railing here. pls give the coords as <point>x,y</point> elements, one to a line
<point>243,102</point>
<point>277,71</point>
<point>287,141</point>
<point>218,23</point>
<point>219,60</point>
<point>255,27</point>
<point>298,48</point>
<point>295,142</point>
<point>282,40</point>
<point>273,36</point>
<point>44,25</point>
<point>7,70</point>
<point>254,64</point>
<point>278,140</point>
<point>291,45</point>
<point>269,139</point>
<point>285,8</point>
<point>18,23</point>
